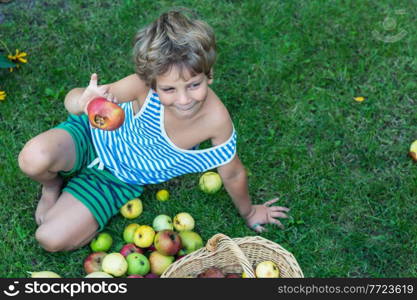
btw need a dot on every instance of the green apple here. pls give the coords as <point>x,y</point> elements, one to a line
<point>191,241</point>
<point>210,182</point>
<point>184,221</point>
<point>114,264</point>
<point>162,222</point>
<point>159,263</point>
<point>137,264</point>
<point>102,242</point>
<point>129,232</point>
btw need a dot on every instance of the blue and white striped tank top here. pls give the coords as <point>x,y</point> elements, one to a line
<point>140,152</point>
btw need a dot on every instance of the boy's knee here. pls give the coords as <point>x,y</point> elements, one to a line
<point>49,240</point>
<point>34,159</point>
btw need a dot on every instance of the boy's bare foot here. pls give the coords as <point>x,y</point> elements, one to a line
<point>50,195</point>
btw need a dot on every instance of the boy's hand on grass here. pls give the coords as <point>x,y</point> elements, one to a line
<point>266,214</point>
<point>93,91</point>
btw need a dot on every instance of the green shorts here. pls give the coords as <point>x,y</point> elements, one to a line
<point>99,190</point>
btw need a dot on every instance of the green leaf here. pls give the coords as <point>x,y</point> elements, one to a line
<point>49,92</point>
<point>6,63</point>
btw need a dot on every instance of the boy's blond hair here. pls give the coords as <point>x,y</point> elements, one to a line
<point>174,39</point>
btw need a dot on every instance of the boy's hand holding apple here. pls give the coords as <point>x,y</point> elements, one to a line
<point>94,91</point>
<point>100,106</point>
<point>265,214</point>
<point>90,92</point>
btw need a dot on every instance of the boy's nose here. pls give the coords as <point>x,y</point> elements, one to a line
<point>183,99</point>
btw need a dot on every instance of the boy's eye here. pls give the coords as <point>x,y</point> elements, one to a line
<point>167,90</point>
<point>195,85</point>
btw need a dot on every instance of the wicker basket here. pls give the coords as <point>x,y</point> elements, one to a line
<point>234,256</point>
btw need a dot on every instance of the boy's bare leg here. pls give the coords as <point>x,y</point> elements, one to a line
<point>41,159</point>
<point>68,225</point>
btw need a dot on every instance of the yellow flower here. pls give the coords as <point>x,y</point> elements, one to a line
<point>2,95</point>
<point>359,99</point>
<point>18,58</point>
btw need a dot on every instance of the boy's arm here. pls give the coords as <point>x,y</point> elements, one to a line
<point>124,90</point>
<point>235,181</point>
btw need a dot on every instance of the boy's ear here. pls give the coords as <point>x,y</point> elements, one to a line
<point>210,81</point>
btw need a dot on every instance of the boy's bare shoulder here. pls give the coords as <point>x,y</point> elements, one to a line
<point>218,120</point>
<point>129,88</point>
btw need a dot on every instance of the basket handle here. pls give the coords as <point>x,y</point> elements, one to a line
<point>220,241</point>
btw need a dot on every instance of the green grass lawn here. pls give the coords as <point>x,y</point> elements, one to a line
<point>288,72</point>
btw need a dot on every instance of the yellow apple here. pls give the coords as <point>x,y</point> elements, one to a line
<point>184,221</point>
<point>114,264</point>
<point>245,275</point>
<point>132,209</point>
<point>44,274</point>
<point>159,263</point>
<point>98,274</point>
<point>162,195</point>
<point>413,151</point>
<point>129,232</point>
<point>144,236</point>
<point>267,269</point>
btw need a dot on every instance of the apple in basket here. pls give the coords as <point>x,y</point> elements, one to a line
<point>267,269</point>
<point>104,114</point>
<point>212,272</point>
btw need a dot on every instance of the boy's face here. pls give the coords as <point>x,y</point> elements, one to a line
<point>182,96</point>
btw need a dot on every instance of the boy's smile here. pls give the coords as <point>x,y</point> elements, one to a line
<point>181,93</point>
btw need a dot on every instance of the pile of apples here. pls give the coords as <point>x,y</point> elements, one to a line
<point>149,250</point>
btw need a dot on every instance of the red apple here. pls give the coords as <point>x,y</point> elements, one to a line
<point>212,272</point>
<point>167,242</point>
<point>93,262</point>
<point>233,275</point>
<point>151,248</point>
<point>104,114</point>
<point>134,276</point>
<point>130,248</point>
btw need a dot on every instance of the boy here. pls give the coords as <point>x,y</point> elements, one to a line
<point>169,110</point>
